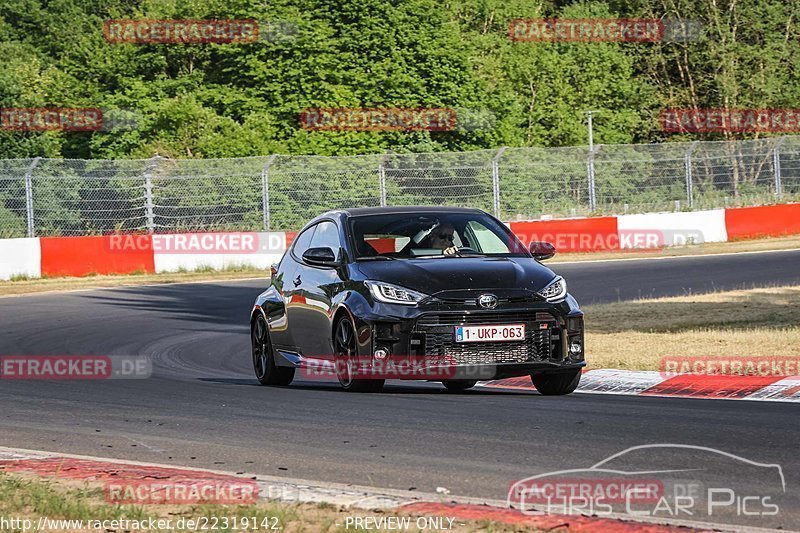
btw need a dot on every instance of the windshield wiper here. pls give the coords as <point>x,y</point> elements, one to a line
<point>443,256</point>
<point>376,258</point>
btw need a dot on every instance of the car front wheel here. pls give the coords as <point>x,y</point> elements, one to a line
<point>458,385</point>
<point>267,372</point>
<point>556,384</point>
<point>346,359</point>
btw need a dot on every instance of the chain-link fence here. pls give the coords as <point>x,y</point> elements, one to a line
<point>84,197</point>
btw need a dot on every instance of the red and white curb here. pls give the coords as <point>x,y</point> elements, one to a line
<point>651,383</point>
<point>86,468</point>
<point>97,469</point>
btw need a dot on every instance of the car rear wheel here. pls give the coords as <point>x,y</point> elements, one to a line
<point>556,384</point>
<point>267,372</point>
<point>345,351</point>
<point>457,385</point>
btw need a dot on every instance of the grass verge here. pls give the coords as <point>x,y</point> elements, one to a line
<point>744,323</point>
<point>30,498</point>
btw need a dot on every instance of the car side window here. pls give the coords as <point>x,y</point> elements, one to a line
<point>486,240</point>
<point>303,241</point>
<point>327,235</point>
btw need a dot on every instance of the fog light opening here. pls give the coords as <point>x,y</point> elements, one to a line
<point>575,347</point>
<point>575,324</point>
<point>381,353</point>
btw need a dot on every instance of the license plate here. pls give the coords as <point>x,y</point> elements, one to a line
<point>493,333</point>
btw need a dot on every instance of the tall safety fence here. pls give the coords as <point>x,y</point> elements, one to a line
<point>40,196</point>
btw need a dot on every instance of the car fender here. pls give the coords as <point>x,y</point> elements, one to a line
<point>357,307</point>
<point>270,304</point>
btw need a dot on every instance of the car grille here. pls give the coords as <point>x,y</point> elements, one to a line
<point>439,342</point>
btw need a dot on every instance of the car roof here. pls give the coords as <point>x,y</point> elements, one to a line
<point>427,209</point>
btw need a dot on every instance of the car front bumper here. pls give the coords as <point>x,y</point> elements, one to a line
<point>425,336</point>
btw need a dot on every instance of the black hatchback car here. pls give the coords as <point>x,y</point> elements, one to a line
<point>436,293</point>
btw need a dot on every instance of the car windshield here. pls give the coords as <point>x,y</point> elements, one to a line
<point>411,235</point>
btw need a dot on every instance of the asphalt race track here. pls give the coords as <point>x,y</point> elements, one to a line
<point>630,279</point>
<point>202,407</point>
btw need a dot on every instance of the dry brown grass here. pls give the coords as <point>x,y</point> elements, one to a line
<point>636,335</point>
<point>28,497</point>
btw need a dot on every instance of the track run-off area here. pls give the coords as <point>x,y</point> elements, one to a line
<point>202,407</point>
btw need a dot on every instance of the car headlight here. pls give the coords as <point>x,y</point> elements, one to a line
<point>394,294</point>
<point>555,291</point>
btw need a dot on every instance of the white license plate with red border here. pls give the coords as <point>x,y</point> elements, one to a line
<point>493,333</point>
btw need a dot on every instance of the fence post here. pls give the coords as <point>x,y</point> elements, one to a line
<point>382,180</point>
<point>265,190</point>
<point>29,196</point>
<point>152,163</point>
<point>496,180</point>
<point>687,165</point>
<point>776,167</point>
<point>590,171</point>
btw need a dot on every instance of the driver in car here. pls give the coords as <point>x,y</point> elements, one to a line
<point>441,238</point>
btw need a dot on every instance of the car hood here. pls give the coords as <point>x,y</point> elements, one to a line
<point>456,274</point>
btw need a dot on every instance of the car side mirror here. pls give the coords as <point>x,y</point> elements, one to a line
<point>542,250</point>
<point>273,270</point>
<point>322,256</point>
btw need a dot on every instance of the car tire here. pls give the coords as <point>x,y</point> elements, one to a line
<point>556,384</point>
<point>458,385</point>
<point>267,372</point>
<point>345,348</point>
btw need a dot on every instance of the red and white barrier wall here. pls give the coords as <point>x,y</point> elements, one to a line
<point>766,221</point>
<point>708,225</point>
<point>655,230</point>
<point>129,254</point>
<point>126,254</point>
<point>20,257</point>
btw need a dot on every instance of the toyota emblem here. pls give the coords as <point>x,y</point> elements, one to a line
<point>487,301</point>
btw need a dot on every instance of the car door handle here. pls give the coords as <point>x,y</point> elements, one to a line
<point>297,281</point>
